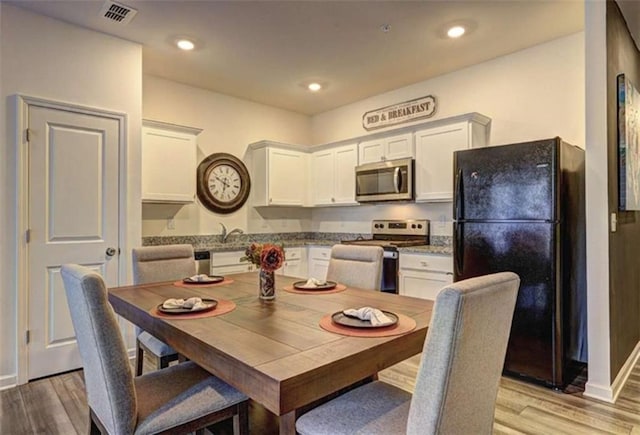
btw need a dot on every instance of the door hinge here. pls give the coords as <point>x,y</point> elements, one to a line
<point>27,235</point>
<point>27,336</point>
<point>27,135</point>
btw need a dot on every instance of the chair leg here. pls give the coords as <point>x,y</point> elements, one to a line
<point>139,358</point>
<point>93,428</point>
<point>241,419</point>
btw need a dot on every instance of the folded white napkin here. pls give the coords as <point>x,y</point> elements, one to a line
<point>194,303</point>
<point>200,278</point>
<point>313,282</point>
<point>374,315</point>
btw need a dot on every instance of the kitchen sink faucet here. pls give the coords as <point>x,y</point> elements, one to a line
<point>225,235</point>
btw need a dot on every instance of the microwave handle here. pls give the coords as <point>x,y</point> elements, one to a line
<point>397,180</point>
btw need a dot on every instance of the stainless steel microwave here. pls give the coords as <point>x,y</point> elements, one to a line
<point>390,180</point>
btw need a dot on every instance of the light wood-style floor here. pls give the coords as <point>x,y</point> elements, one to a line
<point>57,405</point>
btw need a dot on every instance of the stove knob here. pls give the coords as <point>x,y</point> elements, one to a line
<point>413,226</point>
<point>420,226</point>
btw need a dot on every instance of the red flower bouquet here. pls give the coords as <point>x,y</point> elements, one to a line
<point>267,256</point>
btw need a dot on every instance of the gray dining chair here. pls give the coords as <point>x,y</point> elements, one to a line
<point>157,264</point>
<point>356,266</point>
<point>180,399</point>
<point>459,373</point>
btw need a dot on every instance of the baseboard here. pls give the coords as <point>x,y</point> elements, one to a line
<point>8,381</point>
<point>610,393</point>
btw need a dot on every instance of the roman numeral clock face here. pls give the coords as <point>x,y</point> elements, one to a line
<point>223,183</point>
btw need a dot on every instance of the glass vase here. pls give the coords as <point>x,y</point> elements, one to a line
<point>267,285</point>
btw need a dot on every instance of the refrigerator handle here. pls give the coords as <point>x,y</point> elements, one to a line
<point>457,212</point>
<point>458,253</point>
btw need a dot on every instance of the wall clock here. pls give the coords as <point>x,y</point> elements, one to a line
<point>223,183</point>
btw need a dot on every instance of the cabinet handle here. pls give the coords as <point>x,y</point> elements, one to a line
<point>333,200</point>
<point>424,264</point>
<point>270,199</point>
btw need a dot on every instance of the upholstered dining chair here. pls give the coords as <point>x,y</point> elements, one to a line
<point>356,266</point>
<point>180,399</point>
<point>458,378</point>
<point>157,264</point>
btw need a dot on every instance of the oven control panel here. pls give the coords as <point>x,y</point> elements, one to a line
<point>409,227</point>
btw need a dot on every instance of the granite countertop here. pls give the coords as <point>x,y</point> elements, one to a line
<point>428,249</point>
<point>439,244</point>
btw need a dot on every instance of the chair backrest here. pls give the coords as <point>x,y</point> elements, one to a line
<point>356,266</point>
<point>162,263</point>
<point>107,373</point>
<point>463,356</point>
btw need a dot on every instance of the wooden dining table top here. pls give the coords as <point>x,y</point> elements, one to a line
<point>276,352</point>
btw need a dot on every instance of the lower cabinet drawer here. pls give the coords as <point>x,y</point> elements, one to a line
<point>426,262</point>
<point>423,285</point>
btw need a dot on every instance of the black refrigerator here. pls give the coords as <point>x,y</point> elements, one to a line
<point>521,208</point>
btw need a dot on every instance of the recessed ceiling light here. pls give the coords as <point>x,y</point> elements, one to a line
<point>456,31</point>
<point>314,87</point>
<point>185,44</point>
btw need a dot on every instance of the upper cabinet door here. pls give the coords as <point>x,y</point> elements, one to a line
<point>287,177</point>
<point>346,160</point>
<point>386,148</point>
<point>333,181</point>
<point>434,157</point>
<point>168,163</point>
<point>323,176</point>
<point>371,151</point>
<point>399,147</point>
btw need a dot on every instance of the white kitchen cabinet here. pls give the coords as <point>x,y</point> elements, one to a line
<point>224,263</point>
<point>423,275</point>
<point>333,175</point>
<point>319,261</point>
<point>279,176</point>
<point>435,146</point>
<point>295,263</point>
<point>168,162</point>
<point>386,148</point>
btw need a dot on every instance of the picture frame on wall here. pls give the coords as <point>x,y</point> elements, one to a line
<point>628,145</point>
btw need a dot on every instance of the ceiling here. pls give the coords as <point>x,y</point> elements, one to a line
<point>265,51</point>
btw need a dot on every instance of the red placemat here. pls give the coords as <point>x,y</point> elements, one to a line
<point>213,284</point>
<point>337,289</point>
<point>405,324</point>
<point>224,306</point>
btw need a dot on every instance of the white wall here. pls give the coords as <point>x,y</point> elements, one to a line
<point>599,384</point>
<point>531,94</point>
<point>229,124</point>
<point>45,58</point>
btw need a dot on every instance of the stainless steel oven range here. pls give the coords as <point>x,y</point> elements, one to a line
<point>391,235</point>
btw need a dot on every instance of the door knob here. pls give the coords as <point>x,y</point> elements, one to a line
<point>110,252</point>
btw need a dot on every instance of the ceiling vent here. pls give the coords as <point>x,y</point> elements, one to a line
<point>117,12</point>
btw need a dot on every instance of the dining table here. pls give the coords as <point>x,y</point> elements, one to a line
<point>284,353</point>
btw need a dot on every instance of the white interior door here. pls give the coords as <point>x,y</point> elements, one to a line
<point>73,218</point>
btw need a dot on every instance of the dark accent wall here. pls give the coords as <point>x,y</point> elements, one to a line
<point>624,256</point>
